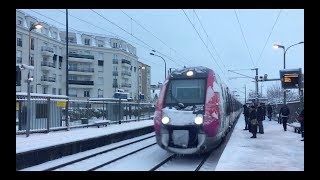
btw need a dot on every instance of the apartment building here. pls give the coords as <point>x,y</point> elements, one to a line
<point>98,65</point>
<point>144,81</point>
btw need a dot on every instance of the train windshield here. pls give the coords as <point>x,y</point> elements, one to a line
<point>188,92</point>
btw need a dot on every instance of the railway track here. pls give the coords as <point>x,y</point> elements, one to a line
<point>101,153</point>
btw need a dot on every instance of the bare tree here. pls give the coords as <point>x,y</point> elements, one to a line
<point>275,94</point>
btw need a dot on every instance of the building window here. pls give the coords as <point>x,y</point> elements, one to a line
<point>115,45</point>
<point>100,63</point>
<point>19,40</point>
<point>44,90</point>
<point>54,57</point>
<point>71,40</point>
<point>32,59</point>
<point>134,69</point>
<point>60,91</point>
<point>55,35</point>
<point>115,56</point>
<point>100,43</point>
<point>32,43</point>
<point>87,41</point>
<point>60,49</point>
<point>19,21</point>
<point>115,83</point>
<point>60,63</point>
<point>100,56</point>
<point>86,93</point>
<point>19,57</point>
<point>44,30</point>
<point>31,88</point>
<point>73,92</point>
<point>31,24</point>
<point>55,49</point>
<point>54,91</point>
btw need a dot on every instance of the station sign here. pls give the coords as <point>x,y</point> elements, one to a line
<point>291,78</point>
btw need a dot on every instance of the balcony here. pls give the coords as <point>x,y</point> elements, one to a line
<point>115,73</point>
<point>46,65</point>
<point>124,61</point>
<point>81,71</point>
<point>126,85</point>
<point>19,60</point>
<point>125,73</point>
<point>47,80</point>
<point>47,51</point>
<point>78,82</point>
<point>115,61</point>
<point>82,56</point>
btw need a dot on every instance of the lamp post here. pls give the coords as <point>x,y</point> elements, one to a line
<point>276,46</point>
<point>139,70</point>
<point>34,26</point>
<point>165,64</point>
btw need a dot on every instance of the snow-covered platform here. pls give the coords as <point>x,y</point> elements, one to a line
<point>275,150</point>
<point>43,147</point>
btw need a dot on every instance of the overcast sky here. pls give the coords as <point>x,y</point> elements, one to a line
<point>173,36</point>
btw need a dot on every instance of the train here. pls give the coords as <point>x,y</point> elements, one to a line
<point>194,112</point>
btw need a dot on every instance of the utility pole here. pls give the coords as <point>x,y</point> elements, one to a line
<point>67,72</point>
<point>257,86</point>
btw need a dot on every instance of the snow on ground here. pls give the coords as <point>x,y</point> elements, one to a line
<point>41,140</point>
<point>275,150</point>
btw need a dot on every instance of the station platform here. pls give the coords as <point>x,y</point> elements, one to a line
<point>42,147</point>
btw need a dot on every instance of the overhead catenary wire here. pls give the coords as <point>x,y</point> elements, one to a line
<point>155,36</point>
<point>204,44</point>
<point>151,48</point>
<point>209,39</point>
<point>95,26</point>
<point>116,35</point>
<point>245,41</point>
<point>211,42</point>
<point>274,24</point>
<point>54,20</point>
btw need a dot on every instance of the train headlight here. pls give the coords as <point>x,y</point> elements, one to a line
<point>165,120</point>
<point>198,120</point>
<point>190,73</point>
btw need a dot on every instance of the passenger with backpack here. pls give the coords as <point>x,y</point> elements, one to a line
<point>284,114</point>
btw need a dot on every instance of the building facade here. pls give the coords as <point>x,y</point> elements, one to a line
<point>144,81</point>
<point>98,65</point>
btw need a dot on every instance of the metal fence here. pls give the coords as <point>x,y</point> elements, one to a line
<point>48,112</point>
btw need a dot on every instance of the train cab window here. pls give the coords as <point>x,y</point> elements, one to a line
<point>186,91</point>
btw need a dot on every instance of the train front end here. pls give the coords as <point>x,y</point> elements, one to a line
<point>182,125</point>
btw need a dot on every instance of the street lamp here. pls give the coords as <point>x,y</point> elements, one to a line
<point>276,46</point>
<point>34,26</point>
<point>140,67</point>
<point>165,64</point>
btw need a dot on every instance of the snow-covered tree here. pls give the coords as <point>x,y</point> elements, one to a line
<point>275,94</point>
